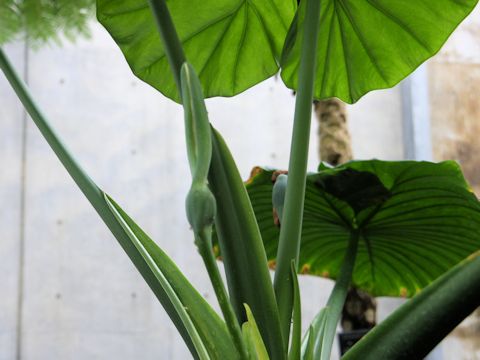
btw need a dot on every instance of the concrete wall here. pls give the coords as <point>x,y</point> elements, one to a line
<point>454,88</point>
<point>11,213</point>
<point>68,290</point>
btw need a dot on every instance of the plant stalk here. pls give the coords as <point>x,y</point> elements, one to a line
<point>168,33</point>
<point>199,150</point>
<point>204,244</point>
<point>290,233</point>
<point>337,297</point>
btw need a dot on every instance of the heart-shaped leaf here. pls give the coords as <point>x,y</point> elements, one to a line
<point>372,44</point>
<point>416,220</point>
<point>232,44</point>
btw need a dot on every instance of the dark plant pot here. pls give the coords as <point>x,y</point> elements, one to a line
<point>349,338</point>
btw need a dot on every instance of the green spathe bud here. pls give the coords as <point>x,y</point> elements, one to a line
<point>278,195</point>
<point>201,207</point>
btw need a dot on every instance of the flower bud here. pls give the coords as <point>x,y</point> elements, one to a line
<point>201,207</point>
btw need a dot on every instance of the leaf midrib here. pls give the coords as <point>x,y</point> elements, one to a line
<point>232,14</point>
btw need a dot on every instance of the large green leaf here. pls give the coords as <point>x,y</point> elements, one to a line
<point>416,220</point>
<point>372,44</point>
<point>232,44</point>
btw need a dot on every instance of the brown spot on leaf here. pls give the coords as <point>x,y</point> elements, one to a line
<point>326,274</point>
<point>277,173</point>
<point>305,269</point>
<point>473,256</point>
<point>272,264</point>
<point>255,171</point>
<point>403,292</point>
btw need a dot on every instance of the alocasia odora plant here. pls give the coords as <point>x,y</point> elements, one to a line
<point>391,228</point>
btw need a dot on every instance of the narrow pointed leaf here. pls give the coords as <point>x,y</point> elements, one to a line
<point>308,344</point>
<point>295,347</point>
<point>415,328</point>
<point>155,260</point>
<point>253,338</point>
<point>211,329</point>
<point>242,250</point>
<point>316,333</point>
<point>233,44</point>
<point>290,232</point>
<point>372,44</point>
<point>416,220</point>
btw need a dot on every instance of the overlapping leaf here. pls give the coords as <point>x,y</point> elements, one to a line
<point>417,220</point>
<point>232,44</point>
<point>238,236</point>
<point>372,44</point>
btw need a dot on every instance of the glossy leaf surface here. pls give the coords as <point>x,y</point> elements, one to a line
<point>372,44</point>
<point>416,220</point>
<point>232,44</point>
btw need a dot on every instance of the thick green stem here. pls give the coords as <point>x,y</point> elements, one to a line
<point>197,126</point>
<point>204,244</point>
<point>290,234</point>
<point>199,148</point>
<point>262,301</point>
<point>172,45</point>
<point>337,297</point>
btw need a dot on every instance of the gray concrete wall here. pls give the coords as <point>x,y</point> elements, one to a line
<point>11,148</point>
